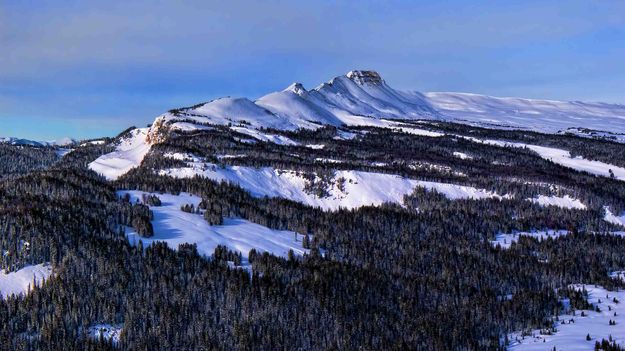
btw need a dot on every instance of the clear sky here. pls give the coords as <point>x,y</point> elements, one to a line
<point>92,68</point>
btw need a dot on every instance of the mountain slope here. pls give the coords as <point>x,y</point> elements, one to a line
<point>359,96</point>
<point>362,212</point>
<point>537,115</point>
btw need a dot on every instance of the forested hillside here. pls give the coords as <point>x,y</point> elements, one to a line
<point>206,232</point>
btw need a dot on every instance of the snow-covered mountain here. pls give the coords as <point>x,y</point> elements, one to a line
<point>19,141</point>
<point>362,97</point>
<point>584,118</point>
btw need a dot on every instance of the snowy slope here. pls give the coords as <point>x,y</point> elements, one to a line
<point>560,201</point>
<point>538,115</point>
<point>614,219</point>
<point>360,188</point>
<point>128,155</point>
<point>572,329</point>
<point>18,141</point>
<point>359,96</point>
<point>351,99</point>
<point>20,281</point>
<point>562,157</point>
<point>363,98</point>
<point>176,227</point>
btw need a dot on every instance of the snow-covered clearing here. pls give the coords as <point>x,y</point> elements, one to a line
<point>175,227</point>
<point>505,240</point>
<point>128,155</point>
<point>610,217</point>
<point>618,275</point>
<point>561,201</point>
<point>572,329</point>
<point>110,332</point>
<point>92,142</point>
<point>188,127</point>
<point>347,189</point>
<point>462,155</point>
<point>258,135</point>
<point>20,281</point>
<point>407,128</point>
<point>562,157</point>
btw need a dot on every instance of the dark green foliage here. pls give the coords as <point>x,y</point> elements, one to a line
<point>151,200</point>
<point>421,275</point>
<point>607,345</point>
<point>20,159</point>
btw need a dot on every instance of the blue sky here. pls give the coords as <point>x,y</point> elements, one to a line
<point>93,68</point>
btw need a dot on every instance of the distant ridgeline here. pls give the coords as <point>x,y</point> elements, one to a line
<point>349,216</point>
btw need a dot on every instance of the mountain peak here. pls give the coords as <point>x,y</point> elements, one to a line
<point>365,77</point>
<point>297,88</point>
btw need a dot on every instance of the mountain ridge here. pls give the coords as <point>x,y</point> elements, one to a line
<point>360,96</point>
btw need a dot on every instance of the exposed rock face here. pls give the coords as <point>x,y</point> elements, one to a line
<point>158,131</point>
<point>365,77</point>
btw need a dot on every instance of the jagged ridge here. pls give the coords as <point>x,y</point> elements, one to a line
<point>360,96</point>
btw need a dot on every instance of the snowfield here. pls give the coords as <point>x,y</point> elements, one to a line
<point>561,201</point>
<point>618,275</point>
<point>175,227</point>
<point>572,329</point>
<point>564,158</point>
<point>128,155</point>
<point>538,115</point>
<point>359,188</point>
<point>21,281</point>
<point>610,217</point>
<point>462,155</point>
<point>505,240</point>
<point>364,98</point>
<point>272,138</point>
<point>561,157</point>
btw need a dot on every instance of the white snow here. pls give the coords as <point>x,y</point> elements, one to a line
<point>571,336</point>
<point>538,115</point>
<point>564,158</point>
<point>175,227</point>
<point>505,240</point>
<point>188,127</point>
<point>462,155</point>
<point>561,157</point>
<point>105,331</point>
<point>315,146</point>
<point>93,142</point>
<point>360,188</point>
<point>417,131</point>
<point>21,281</point>
<point>561,201</point>
<point>351,100</point>
<point>128,155</point>
<point>610,217</point>
<point>618,275</point>
<point>354,100</point>
<point>272,138</point>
